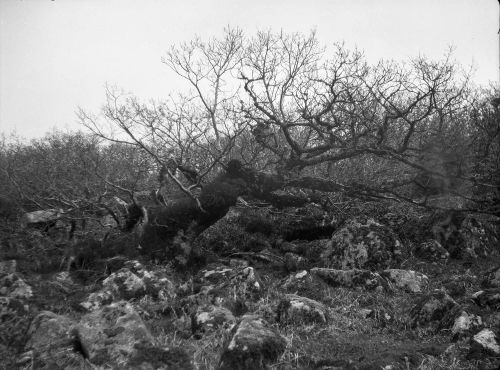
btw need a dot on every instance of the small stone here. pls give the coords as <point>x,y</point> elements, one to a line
<point>238,263</point>
<point>492,278</point>
<point>465,324</point>
<point>484,344</point>
<point>12,286</point>
<point>253,345</point>
<point>8,267</point>
<point>289,247</point>
<point>249,277</point>
<point>64,278</point>
<point>222,286</point>
<point>131,282</point>
<point>349,278</point>
<point>364,312</point>
<point>147,356</point>
<point>97,299</point>
<point>296,309</point>
<point>125,284</point>
<point>294,262</point>
<point>215,275</point>
<point>488,297</point>
<point>313,250</point>
<point>381,317</point>
<point>432,250</point>
<point>411,281</point>
<point>436,309</point>
<point>301,274</point>
<point>305,284</point>
<point>455,289</point>
<point>209,318</point>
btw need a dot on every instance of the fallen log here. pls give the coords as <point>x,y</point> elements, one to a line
<point>166,231</point>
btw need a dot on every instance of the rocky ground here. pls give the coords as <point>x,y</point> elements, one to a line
<point>269,289</point>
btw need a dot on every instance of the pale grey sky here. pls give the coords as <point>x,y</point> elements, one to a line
<point>57,55</point>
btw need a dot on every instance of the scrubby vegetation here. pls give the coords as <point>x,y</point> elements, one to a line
<point>293,209</point>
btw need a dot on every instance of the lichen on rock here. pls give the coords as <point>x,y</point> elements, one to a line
<point>363,243</point>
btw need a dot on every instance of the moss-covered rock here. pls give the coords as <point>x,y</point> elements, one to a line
<point>480,237</point>
<point>15,319</point>
<point>53,344</point>
<point>108,335</point>
<point>15,315</point>
<point>131,282</point>
<point>363,243</point>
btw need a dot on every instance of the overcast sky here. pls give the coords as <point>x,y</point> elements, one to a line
<point>57,55</point>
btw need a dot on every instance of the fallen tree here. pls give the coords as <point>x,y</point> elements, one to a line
<point>297,118</point>
<point>165,229</point>
<point>323,121</point>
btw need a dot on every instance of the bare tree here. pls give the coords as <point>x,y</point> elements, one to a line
<point>320,119</point>
<point>395,123</point>
<point>191,133</point>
